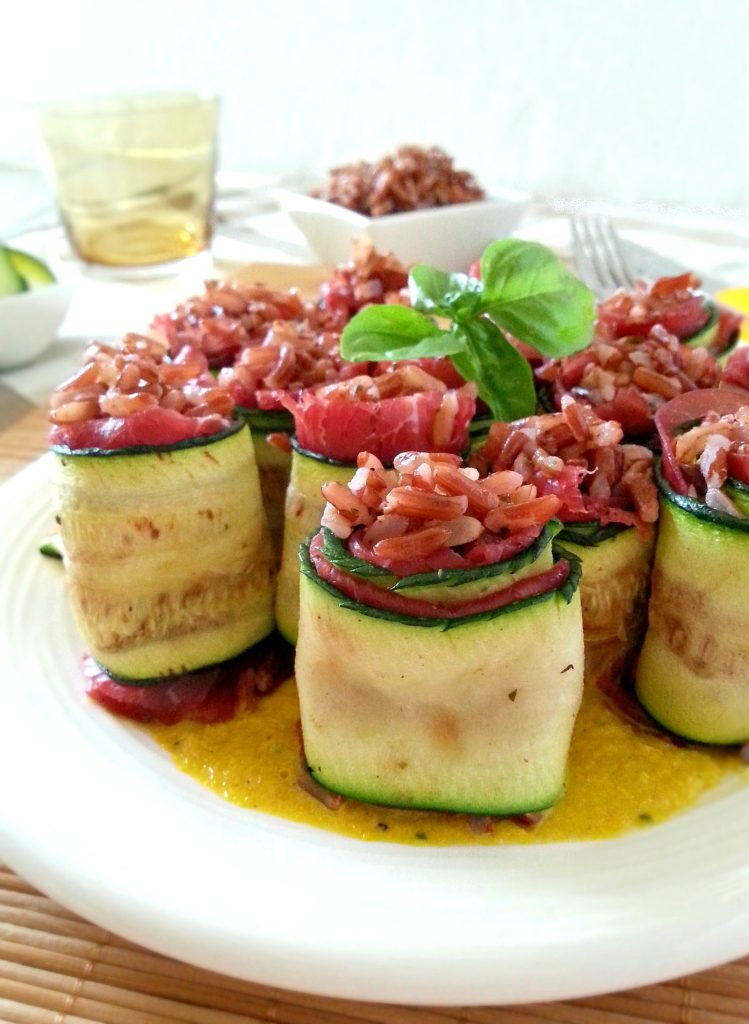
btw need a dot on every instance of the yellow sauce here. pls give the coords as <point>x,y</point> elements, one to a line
<point>619,778</point>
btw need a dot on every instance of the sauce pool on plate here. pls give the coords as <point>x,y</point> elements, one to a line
<point>620,778</point>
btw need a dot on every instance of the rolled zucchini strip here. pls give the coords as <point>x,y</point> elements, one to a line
<point>473,714</point>
<point>167,554</point>
<point>273,466</point>
<point>302,511</point>
<point>613,588</point>
<point>693,672</point>
<point>609,504</point>
<point>405,410</point>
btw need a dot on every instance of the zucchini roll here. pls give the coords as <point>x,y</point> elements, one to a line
<point>259,341</point>
<point>164,536</point>
<point>440,654</point>
<point>628,379</point>
<point>264,343</point>
<point>693,671</point>
<point>388,413</point>
<point>608,505</point>
<point>676,303</point>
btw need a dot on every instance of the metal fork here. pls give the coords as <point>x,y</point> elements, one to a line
<point>597,255</point>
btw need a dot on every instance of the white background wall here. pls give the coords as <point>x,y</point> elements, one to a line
<point>634,100</point>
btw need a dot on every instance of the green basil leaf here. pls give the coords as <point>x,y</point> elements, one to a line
<point>462,361</point>
<point>338,555</point>
<point>529,292</point>
<point>394,332</point>
<point>503,375</point>
<point>570,585</point>
<point>435,291</point>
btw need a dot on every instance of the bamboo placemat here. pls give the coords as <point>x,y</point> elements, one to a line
<point>22,442</point>
<point>56,968</point>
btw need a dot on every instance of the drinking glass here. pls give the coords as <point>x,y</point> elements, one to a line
<point>133,174</point>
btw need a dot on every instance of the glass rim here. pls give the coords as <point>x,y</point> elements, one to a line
<point>118,103</point>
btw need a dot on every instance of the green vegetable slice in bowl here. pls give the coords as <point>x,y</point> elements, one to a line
<point>11,282</point>
<point>31,270</point>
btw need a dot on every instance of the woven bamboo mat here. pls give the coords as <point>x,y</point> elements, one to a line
<point>23,442</point>
<point>56,968</point>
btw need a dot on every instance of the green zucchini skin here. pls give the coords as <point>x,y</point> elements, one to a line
<point>51,547</point>
<point>706,335</point>
<point>472,715</point>
<point>303,510</point>
<point>267,421</point>
<point>146,449</point>
<point>613,589</point>
<point>273,466</point>
<point>693,672</point>
<point>166,553</point>
<point>449,586</point>
<point>739,494</point>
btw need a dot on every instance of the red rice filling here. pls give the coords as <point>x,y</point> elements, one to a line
<point>578,457</point>
<point>132,381</point>
<point>628,379</point>
<point>431,512</point>
<point>712,452</point>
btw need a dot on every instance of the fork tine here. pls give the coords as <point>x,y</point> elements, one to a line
<point>591,268</point>
<point>580,256</point>
<point>597,255</point>
<point>617,261</point>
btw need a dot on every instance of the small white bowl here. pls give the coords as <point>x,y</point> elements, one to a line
<point>449,237</point>
<point>29,322</point>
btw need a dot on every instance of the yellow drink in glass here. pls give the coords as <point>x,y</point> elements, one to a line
<point>134,175</point>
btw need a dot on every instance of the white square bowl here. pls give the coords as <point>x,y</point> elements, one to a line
<point>449,237</point>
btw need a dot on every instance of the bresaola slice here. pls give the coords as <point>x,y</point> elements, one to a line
<point>729,325</point>
<point>211,695</point>
<point>485,551</point>
<point>686,409</point>
<point>151,428</point>
<point>339,428</point>
<point>372,596</point>
<point>736,371</point>
<point>385,414</point>
<point>201,696</point>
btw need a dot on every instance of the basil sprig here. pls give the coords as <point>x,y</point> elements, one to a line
<point>524,290</point>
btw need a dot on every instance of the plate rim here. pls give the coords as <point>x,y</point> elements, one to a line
<point>389,968</point>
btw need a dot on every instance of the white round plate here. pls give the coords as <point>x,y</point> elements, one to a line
<point>97,817</point>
